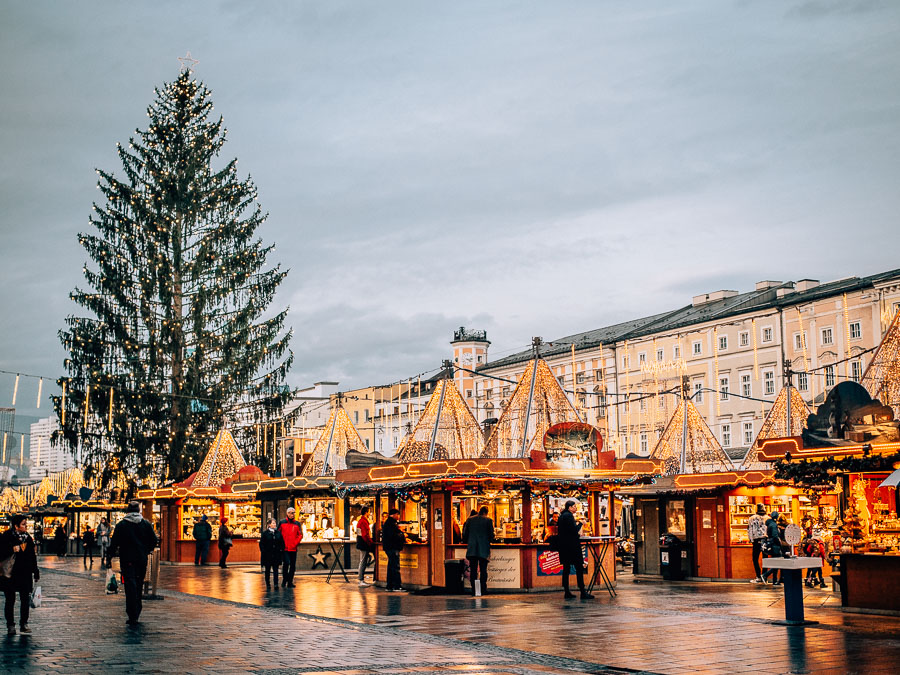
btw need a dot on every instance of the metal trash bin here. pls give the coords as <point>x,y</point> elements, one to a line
<point>670,557</point>
<point>454,579</point>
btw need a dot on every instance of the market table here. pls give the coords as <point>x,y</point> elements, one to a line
<point>338,557</point>
<point>598,546</point>
<point>792,581</point>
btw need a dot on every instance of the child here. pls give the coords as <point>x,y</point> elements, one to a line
<point>814,548</point>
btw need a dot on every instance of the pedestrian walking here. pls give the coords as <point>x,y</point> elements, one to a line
<point>393,541</point>
<point>103,533</point>
<point>225,542</point>
<point>133,540</point>
<point>570,549</point>
<point>479,536</point>
<point>18,566</point>
<point>364,544</point>
<point>291,535</point>
<point>87,545</point>
<point>756,530</point>
<point>60,540</point>
<point>271,551</point>
<point>202,536</point>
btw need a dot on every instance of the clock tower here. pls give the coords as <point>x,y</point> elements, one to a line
<point>470,351</point>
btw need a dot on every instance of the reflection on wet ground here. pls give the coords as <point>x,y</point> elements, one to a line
<point>658,626</point>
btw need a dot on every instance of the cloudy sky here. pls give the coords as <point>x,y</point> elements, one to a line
<point>530,168</point>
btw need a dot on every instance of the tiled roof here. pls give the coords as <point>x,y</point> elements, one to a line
<point>692,315</point>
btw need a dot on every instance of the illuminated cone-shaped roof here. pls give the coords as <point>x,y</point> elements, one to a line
<point>222,461</point>
<point>549,406</point>
<point>10,501</point>
<point>458,433</point>
<point>338,437</point>
<point>776,426</point>
<point>882,377</point>
<point>44,490</point>
<point>68,482</point>
<point>703,451</point>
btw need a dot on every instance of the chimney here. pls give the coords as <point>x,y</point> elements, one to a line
<point>766,285</point>
<point>806,284</point>
<point>704,298</point>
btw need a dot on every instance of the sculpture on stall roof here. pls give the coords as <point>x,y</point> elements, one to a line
<point>850,416</point>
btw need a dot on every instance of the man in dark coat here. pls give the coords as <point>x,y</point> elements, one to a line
<point>271,551</point>
<point>16,541</point>
<point>570,549</point>
<point>202,536</point>
<point>479,533</point>
<point>392,541</point>
<point>133,540</point>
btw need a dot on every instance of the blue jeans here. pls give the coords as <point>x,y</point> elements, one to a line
<point>393,569</point>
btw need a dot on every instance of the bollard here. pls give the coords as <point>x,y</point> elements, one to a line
<point>151,580</point>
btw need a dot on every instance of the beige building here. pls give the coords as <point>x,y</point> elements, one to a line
<point>730,346</point>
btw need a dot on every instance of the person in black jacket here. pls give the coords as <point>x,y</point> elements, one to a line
<point>87,545</point>
<point>271,551</point>
<point>16,541</point>
<point>570,549</point>
<point>479,534</point>
<point>392,541</point>
<point>133,540</point>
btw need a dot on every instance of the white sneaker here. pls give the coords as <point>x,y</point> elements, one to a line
<point>757,580</point>
<point>363,584</point>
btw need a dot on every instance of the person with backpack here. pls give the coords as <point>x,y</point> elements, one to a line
<point>133,540</point>
<point>773,544</point>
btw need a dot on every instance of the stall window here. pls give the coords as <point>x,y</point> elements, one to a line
<point>504,508</point>
<point>317,518</point>
<point>244,519</point>
<point>191,511</point>
<point>676,518</point>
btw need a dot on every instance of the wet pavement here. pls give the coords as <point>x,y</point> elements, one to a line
<point>658,627</point>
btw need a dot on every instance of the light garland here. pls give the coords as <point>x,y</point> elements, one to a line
<point>627,398</point>
<point>882,376</point>
<point>703,452</point>
<point>448,420</point>
<point>718,386</point>
<point>40,388</point>
<point>847,342</point>
<point>15,390</point>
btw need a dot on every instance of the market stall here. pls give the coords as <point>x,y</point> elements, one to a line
<point>176,508</point>
<point>435,498</point>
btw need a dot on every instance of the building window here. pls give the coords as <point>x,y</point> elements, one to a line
<point>642,357</point>
<point>645,446</point>
<point>601,404</point>
<point>356,416</point>
<point>746,387</point>
<point>660,355</point>
<point>803,381</point>
<point>661,402</point>
<point>855,371</point>
<point>643,403</point>
<point>367,444</point>
<point>723,343</point>
<point>855,330</point>
<point>598,376</point>
<point>769,382</point>
<point>726,435</point>
<point>505,392</point>
<point>767,334</point>
<point>799,340</point>
<point>480,358</point>
<point>676,352</point>
<point>579,378</point>
<point>748,433</point>
<point>827,336</point>
<point>468,393</point>
<point>698,392</point>
<point>723,388</point>
<point>488,394</point>
<point>625,361</point>
<point>829,376</point>
<point>561,379</point>
<point>744,338</point>
<point>396,441</point>
<point>697,349</point>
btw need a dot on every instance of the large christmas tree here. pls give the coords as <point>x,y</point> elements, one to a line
<point>180,340</point>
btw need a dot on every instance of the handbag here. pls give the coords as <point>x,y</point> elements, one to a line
<point>112,584</point>
<point>36,597</point>
<point>6,566</point>
<point>227,542</point>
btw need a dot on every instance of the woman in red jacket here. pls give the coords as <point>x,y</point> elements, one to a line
<point>364,543</point>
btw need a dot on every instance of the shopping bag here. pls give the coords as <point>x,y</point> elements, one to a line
<point>112,584</point>
<point>36,597</point>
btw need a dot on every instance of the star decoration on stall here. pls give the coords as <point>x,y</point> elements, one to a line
<point>775,425</point>
<point>528,414</point>
<point>188,63</point>
<point>338,437</point>
<point>882,377</point>
<point>449,421</point>
<point>319,557</point>
<point>703,452</point>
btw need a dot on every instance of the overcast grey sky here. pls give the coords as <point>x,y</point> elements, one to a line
<point>530,168</point>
